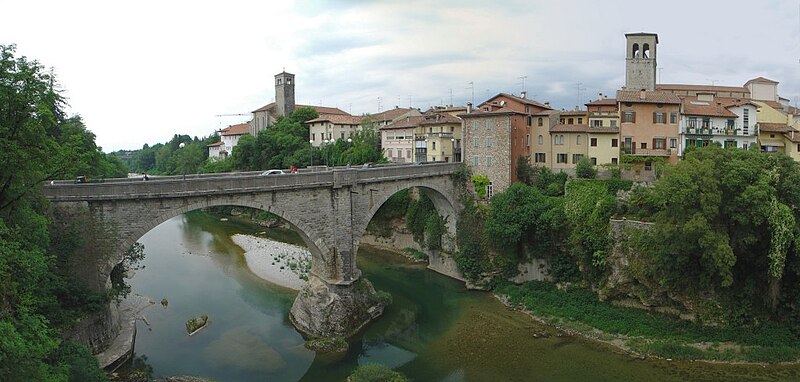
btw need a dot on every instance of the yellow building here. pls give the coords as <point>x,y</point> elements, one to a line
<point>438,138</point>
<point>603,131</point>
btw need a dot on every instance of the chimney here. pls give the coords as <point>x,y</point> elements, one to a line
<point>642,94</point>
<point>469,107</point>
<point>524,94</point>
<point>547,103</point>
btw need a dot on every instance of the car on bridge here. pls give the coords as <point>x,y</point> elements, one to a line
<point>273,172</point>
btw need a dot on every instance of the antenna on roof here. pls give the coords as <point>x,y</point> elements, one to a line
<point>451,96</point>
<point>713,82</point>
<point>523,82</point>
<point>472,87</point>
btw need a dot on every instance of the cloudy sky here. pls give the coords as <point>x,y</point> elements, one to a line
<point>140,71</point>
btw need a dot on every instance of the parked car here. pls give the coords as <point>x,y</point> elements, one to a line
<point>81,179</point>
<point>273,172</point>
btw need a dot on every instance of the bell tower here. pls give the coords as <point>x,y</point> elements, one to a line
<point>640,61</point>
<point>284,93</point>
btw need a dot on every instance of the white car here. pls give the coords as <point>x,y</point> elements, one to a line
<point>272,172</point>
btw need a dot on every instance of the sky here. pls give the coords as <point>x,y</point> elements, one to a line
<point>139,72</point>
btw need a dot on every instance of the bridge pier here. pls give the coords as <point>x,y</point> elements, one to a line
<point>324,309</point>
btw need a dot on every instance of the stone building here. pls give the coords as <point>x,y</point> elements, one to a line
<point>496,134</point>
<point>284,105</point>
<point>640,61</point>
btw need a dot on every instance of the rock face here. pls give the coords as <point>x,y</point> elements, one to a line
<point>327,310</point>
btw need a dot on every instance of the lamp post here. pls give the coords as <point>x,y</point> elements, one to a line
<point>311,153</point>
<point>453,149</point>
<point>183,159</point>
<point>349,142</point>
<point>325,154</point>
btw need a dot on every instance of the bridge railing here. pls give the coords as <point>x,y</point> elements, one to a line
<point>232,183</point>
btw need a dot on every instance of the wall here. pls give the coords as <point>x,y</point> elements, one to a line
<point>497,127</point>
<point>605,152</point>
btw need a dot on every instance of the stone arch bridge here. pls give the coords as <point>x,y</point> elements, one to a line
<point>329,209</point>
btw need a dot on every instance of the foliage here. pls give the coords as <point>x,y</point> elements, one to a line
<point>415,254</point>
<point>327,344</point>
<point>417,216</point>
<point>548,182</point>
<point>373,372</point>
<point>130,262</point>
<point>480,182</point>
<point>383,297</point>
<point>525,171</point>
<point>584,169</point>
<point>472,256</point>
<point>580,308</point>
<point>434,230</point>
<point>38,297</point>
<point>588,207</point>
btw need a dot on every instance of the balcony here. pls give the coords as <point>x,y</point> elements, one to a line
<point>720,130</point>
<point>647,152</point>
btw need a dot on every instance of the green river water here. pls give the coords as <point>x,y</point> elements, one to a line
<point>435,330</point>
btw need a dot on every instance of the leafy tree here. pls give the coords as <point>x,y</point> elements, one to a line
<point>525,171</point>
<point>584,169</point>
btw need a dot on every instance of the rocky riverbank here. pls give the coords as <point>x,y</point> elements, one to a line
<point>286,265</point>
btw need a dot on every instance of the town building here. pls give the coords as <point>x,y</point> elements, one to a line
<point>397,138</point>
<point>496,134</point>
<point>649,124</point>
<point>284,105</point>
<point>229,138</point>
<point>603,131</point>
<point>327,128</point>
<point>438,138</point>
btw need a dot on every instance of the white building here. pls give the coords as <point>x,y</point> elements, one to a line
<point>706,119</point>
<point>229,137</point>
<point>331,127</point>
<point>397,139</point>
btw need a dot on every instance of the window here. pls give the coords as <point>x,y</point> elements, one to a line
<point>558,139</point>
<point>527,108</point>
<point>488,161</point>
<point>313,137</point>
<point>658,117</point>
<point>541,122</point>
<point>408,153</point>
<point>580,120</point>
<point>561,120</point>
<point>629,116</point>
<point>576,158</point>
<point>476,161</point>
<point>597,123</point>
<point>476,142</point>
<point>659,143</point>
<point>530,120</point>
<point>648,166</point>
<point>613,160</point>
<point>594,161</point>
<point>489,141</point>
<point>730,123</point>
<point>561,158</point>
<point>489,190</point>
<point>692,122</point>
<point>389,153</point>
<point>541,139</point>
<point>614,142</point>
<point>539,158</point>
<point>673,143</point>
<point>644,145</point>
<point>570,121</point>
<point>746,118</point>
<point>578,140</point>
<point>341,135</point>
<point>673,118</point>
<point>706,122</point>
<point>593,142</point>
<point>730,144</point>
<point>613,123</point>
<point>434,145</point>
<point>528,140</point>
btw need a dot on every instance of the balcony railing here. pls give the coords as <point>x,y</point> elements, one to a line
<point>724,130</point>
<point>647,152</point>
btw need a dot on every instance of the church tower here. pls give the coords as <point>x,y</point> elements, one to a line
<point>640,61</point>
<point>284,93</point>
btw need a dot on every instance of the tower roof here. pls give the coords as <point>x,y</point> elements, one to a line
<point>643,34</point>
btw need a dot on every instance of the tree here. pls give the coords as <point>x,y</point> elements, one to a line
<point>584,169</point>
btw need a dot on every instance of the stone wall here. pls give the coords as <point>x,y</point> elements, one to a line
<point>533,270</point>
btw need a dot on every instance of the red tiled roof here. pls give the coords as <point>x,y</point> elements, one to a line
<point>337,119</point>
<point>761,80</point>
<point>691,106</point>
<point>391,114</point>
<point>239,129</point>
<point>501,111</point>
<point>215,144</point>
<point>774,127</point>
<point>603,102</point>
<point>404,123</point>
<point>521,100</point>
<point>562,128</point>
<point>701,88</point>
<point>545,113</point>
<point>634,96</point>
<point>602,130</point>
<point>773,104</point>
<point>576,113</point>
<point>792,135</point>
<point>320,109</point>
<point>439,118</point>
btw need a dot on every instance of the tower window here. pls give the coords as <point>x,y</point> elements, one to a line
<point>646,51</point>
<point>635,52</point>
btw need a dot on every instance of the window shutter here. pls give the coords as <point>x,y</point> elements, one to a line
<point>633,116</point>
<point>654,117</point>
<point>654,143</point>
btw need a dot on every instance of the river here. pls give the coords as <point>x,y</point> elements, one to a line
<point>435,330</point>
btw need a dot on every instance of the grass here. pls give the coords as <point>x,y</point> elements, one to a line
<point>653,333</point>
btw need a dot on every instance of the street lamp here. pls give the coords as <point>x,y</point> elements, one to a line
<point>183,159</point>
<point>325,145</point>
<point>311,153</point>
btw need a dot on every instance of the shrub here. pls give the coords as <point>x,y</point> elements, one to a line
<point>376,373</point>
